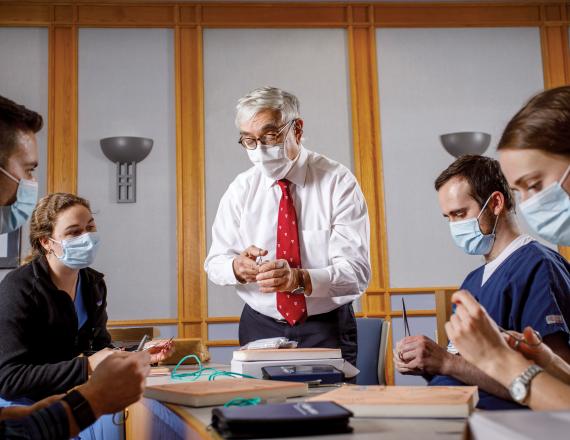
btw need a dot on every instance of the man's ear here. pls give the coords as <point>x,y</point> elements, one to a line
<point>497,202</point>
<point>298,130</point>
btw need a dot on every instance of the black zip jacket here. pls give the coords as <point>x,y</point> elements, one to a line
<point>39,340</point>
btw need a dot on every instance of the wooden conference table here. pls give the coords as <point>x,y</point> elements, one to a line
<point>149,419</point>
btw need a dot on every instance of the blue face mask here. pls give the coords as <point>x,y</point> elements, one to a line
<point>15,215</point>
<point>548,212</point>
<point>468,236</point>
<point>79,252</point>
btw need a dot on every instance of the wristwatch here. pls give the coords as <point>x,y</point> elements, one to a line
<point>520,386</point>
<point>80,408</point>
<point>300,290</point>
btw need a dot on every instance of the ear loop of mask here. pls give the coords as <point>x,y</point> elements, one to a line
<point>481,213</point>
<point>7,174</point>
<point>51,251</point>
<point>564,176</point>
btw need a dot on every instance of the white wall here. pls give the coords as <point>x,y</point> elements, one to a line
<point>24,79</point>
<point>126,87</point>
<point>435,81</point>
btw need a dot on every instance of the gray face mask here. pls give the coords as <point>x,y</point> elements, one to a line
<point>15,215</point>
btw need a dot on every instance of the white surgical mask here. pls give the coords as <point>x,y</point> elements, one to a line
<point>15,215</point>
<point>79,252</point>
<point>271,160</point>
<point>548,212</point>
<point>468,236</point>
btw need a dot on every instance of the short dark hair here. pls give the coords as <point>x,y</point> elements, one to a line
<point>13,119</point>
<point>483,175</point>
<point>542,124</point>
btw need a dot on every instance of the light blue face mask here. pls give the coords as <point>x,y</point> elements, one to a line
<point>15,215</point>
<point>79,252</point>
<point>468,236</point>
<point>548,212</point>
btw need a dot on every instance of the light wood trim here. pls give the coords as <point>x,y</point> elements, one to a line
<point>397,313</point>
<point>366,143</point>
<point>117,13</point>
<point>191,212</point>
<point>432,15</point>
<point>142,322</point>
<point>62,125</point>
<point>420,290</point>
<point>556,59</point>
<point>222,319</point>
<point>223,343</point>
<point>443,313</point>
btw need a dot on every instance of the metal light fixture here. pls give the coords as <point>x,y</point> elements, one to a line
<point>466,142</point>
<point>126,152</point>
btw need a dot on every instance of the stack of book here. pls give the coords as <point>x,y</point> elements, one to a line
<point>251,362</point>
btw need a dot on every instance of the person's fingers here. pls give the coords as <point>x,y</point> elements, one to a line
<point>277,273</point>
<point>465,298</point>
<point>530,336</point>
<point>272,265</point>
<point>271,289</point>
<point>245,264</point>
<point>253,252</point>
<point>462,314</point>
<point>409,343</point>
<point>450,330</point>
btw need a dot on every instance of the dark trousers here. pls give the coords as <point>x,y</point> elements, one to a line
<point>334,329</point>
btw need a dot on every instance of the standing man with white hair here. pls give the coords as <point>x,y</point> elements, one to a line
<point>291,233</point>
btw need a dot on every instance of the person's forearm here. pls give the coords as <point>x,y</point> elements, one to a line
<point>559,369</point>
<point>547,393</point>
<point>73,428</point>
<point>471,375</point>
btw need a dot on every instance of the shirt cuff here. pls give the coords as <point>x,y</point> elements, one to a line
<point>321,283</point>
<point>227,272</point>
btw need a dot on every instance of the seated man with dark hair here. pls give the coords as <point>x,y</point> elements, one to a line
<point>522,282</point>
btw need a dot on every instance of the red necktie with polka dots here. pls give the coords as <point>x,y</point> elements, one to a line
<point>292,307</point>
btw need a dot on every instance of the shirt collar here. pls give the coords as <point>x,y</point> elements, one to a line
<point>297,174</point>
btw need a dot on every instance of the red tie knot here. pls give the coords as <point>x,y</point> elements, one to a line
<point>284,185</point>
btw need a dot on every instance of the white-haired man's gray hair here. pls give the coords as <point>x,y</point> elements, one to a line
<point>267,98</point>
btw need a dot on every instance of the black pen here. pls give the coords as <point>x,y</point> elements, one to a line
<point>407,331</point>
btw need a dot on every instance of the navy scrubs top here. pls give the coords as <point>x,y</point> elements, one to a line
<point>530,288</point>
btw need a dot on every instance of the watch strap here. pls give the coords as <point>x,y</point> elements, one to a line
<point>530,373</point>
<point>80,408</point>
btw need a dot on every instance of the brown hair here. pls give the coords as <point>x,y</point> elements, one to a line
<point>484,176</point>
<point>44,217</point>
<point>13,119</point>
<point>542,124</point>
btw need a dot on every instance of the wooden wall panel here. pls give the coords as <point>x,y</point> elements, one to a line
<point>62,125</point>
<point>126,15</point>
<point>190,163</point>
<point>450,15</point>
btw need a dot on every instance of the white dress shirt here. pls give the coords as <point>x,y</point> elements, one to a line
<point>334,232</point>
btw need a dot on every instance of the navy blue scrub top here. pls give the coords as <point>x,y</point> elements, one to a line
<point>80,305</point>
<point>530,288</point>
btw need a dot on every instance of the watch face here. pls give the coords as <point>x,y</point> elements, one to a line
<point>518,390</point>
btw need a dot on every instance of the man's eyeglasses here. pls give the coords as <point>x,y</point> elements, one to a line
<point>250,142</point>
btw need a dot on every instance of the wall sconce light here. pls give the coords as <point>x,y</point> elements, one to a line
<point>126,152</point>
<point>466,142</point>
